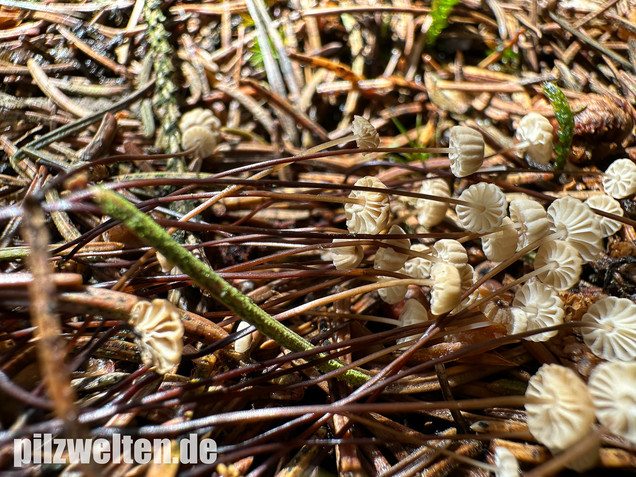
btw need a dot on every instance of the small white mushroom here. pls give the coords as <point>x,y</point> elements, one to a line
<point>371,214</point>
<point>506,463</point>
<point>613,390</point>
<point>243,344</point>
<point>559,264</point>
<point>451,251</point>
<point>413,312</point>
<point>578,225</point>
<point>606,204</point>
<point>366,135</point>
<point>531,220</point>
<point>466,150</point>
<point>468,277</point>
<point>394,294</point>
<point>559,411</point>
<point>200,128</point>
<point>446,288</point>
<point>345,258</point>
<point>387,258</point>
<point>431,212</point>
<point>612,331</point>
<point>501,245</point>
<point>159,333</point>
<point>418,267</point>
<point>514,319</point>
<point>535,133</point>
<point>542,306</point>
<point>487,211</point>
<point>620,179</point>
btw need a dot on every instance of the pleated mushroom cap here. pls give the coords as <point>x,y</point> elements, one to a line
<point>345,258</point>
<point>613,390</point>
<point>578,225</point>
<point>531,218</point>
<point>467,150</point>
<point>368,136</point>
<point>394,294</point>
<point>418,267</point>
<point>413,312</point>
<point>535,133</point>
<point>619,180</point>
<point>612,335</point>
<point>542,307</point>
<point>199,128</point>
<point>431,212</point>
<point>491,208</point>
<point>514,319</point>
<point>560,411</point>
<point>564,264</point>
<point>387,258</point>
<point>372,215</point>
<point>451,251</point>
<point>159,333</point>
<point>506,463</point>
<point>447,288</point>
<point>501,245</point>
<point>606,204</point>
<point>468,277</point>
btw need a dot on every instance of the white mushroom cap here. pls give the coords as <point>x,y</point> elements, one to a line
<point>199,117</point>
<point>394,294</point>
<point>447,288</point>
<point>620,179</point>
<point>506,463</point>
<point>532,220</point>
<point>386,258</point>
<point>534,132</point>
<point>160,333</point>
<point>577,225</point>
<point>243,344</point>
<point>432,212</point>
<point>413,312</point>
<point>467,150</point>
<point>613,390</point>
<point>566,414</point>
<point>199,128</point>
<point>200,136</point>
<point>542,307</point>
<point>492,202</point>
<point>418,267</point>
<point>468,276</point>
<point>613,334</point>
<point>564,264</point>
<point>451,251</point>
<point>501,245</point>
<point>372,216</point>
<point>345,258</point>
<point>514,319</point>
<point>368,136</point>
<point>606,204</point>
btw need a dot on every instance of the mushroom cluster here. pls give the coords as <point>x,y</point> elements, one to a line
<point>560,236</point>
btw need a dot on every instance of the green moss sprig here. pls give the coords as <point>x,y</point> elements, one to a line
<point>203,276</point>
<point>440,12</point>
<point>565,119</point>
